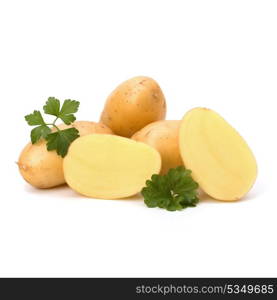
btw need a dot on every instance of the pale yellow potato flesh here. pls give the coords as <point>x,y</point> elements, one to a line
<point>109,166</point>
<point>221,161</point>
<point>164,137</point>
<point>134,104</point>
<point>44,169</point>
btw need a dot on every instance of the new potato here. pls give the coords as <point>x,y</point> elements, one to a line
<point>221,161</point>
<point>44,169</point>
<point>164,137</point>
<point>132,105</point>
<point>109,166</point>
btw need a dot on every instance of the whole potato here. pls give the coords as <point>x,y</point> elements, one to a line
<point>39,167</point>
<point>87,127</point>
<point>134,104</point>
<point>164,137</point>
<point>44,169</point>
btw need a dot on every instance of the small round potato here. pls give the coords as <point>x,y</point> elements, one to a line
<point>132,105</point>
<point>39,167</point>
<point>44,169</point>
<point>164,137</point>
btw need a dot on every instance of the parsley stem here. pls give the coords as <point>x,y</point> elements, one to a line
<point>53,124</point>
<point>55,120</point>
<point>58,129</point>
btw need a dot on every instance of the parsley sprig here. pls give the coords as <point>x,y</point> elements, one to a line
<point>175,190</point>
<point>60,139</point>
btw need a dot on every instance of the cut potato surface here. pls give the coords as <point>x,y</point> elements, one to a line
<point>221,161</point>
<point>109,167</point>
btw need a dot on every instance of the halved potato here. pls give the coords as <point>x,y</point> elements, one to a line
<point>221,161</point>
<point>109,166</point>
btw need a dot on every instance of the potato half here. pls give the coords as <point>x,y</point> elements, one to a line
<point>164,137</point>
<point>44,169</point>
<point>221,161</point>
<point>109,166</point>
<point>134,104</point>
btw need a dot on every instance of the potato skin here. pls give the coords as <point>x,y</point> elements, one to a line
<point>39,167</point>
<point>164,137</point>
<point>134,104</point>
<point>87,127</point>
<point>44,169</point>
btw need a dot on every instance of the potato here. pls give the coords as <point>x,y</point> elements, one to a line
<point>164,137</point>
<point>44,169</point>
<point>39,167</point>
<point>221,161</point>
<point>86,127</point>
<point>132,105</point>
<point>108,166</point>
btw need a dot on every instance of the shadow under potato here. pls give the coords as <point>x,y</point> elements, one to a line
<point>64,191</point>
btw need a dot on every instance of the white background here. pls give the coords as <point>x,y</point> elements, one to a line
<point>217,54</point>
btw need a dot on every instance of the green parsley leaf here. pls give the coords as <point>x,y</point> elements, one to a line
<point>173,191</point>
<point>39,132</point>
<point>68,119</point>
<point>35,118</point>
<point>61,140</point>
<point>68,109</point>
<point>52,107</point>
